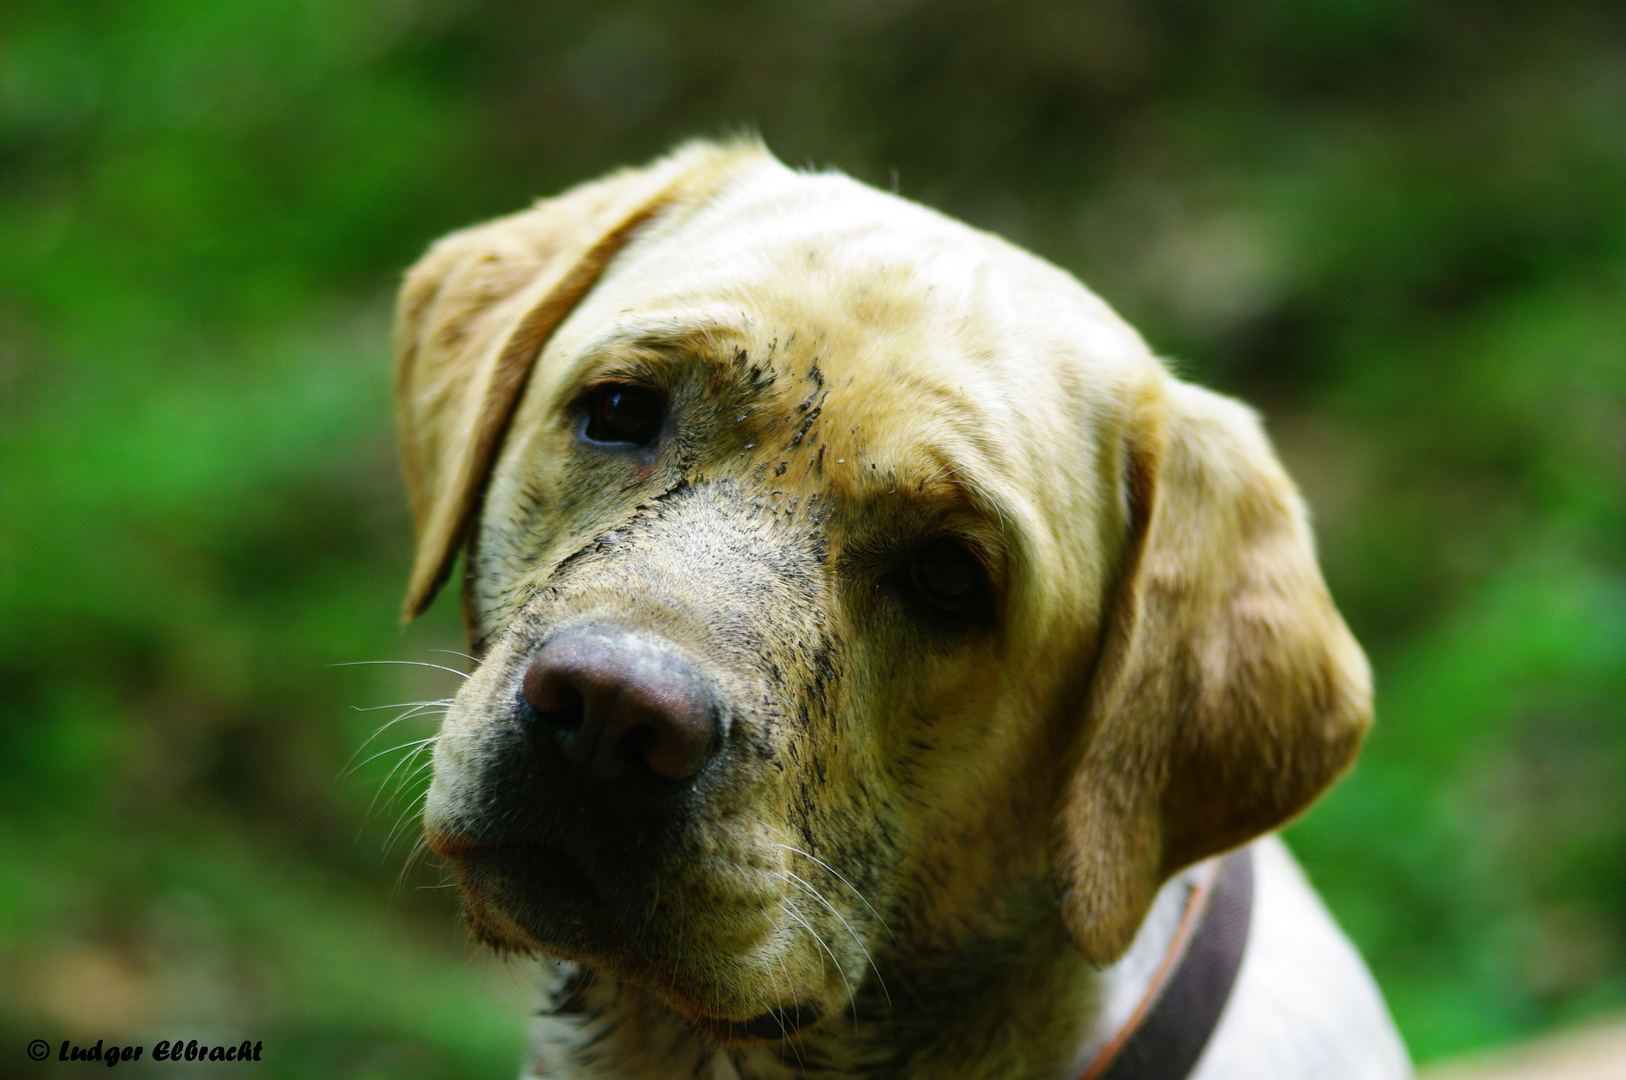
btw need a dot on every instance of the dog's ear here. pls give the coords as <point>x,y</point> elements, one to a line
<point>475,312</point>
<point>1228,693</point>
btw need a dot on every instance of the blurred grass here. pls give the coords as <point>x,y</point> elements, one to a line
<point>1398,228</point>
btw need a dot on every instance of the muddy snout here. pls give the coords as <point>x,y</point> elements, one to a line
<point>571,770</point>
<point>620,704</point>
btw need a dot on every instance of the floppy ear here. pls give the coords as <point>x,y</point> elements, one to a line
<point>475,312</point>
<point>1228,692</point>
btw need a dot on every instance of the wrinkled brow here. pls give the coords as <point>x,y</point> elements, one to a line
<point>735,366</point>
<point>667,340</point>
<point>963,500</point>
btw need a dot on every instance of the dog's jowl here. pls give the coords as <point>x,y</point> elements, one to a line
<point>886,667</point>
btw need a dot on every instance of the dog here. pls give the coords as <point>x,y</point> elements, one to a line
<point>885,666</point>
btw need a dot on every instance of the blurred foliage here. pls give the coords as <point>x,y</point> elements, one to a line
<point>1398,227</point>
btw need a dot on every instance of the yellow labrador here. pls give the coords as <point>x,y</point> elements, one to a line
<point>878,646</point>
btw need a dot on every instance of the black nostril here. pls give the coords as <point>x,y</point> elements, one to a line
<point>557,703</point>
<point>633,747</point>
<point>619,704</point>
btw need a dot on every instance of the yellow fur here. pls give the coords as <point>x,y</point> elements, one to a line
<point>1164,677</point>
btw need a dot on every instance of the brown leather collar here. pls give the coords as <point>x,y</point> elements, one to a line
<point>1174,1020</point>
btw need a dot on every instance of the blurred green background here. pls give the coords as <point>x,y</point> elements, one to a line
<point>1399,228</point>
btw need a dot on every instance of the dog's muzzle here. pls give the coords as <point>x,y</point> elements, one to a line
<point>610,783</point>
<point>598,745</point>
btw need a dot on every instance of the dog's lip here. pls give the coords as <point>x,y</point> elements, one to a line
<point>781,1022</point>
<point>506,858</point>
<point>456,848</point>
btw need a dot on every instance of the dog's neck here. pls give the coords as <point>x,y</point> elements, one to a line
<point>1023,1005</point>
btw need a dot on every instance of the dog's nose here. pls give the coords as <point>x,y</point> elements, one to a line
<point>618,703</point>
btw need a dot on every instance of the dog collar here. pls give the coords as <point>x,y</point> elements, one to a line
<point>1170,1027</point>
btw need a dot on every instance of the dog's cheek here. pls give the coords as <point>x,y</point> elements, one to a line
<point>961,773</point>
<point>845,803</point>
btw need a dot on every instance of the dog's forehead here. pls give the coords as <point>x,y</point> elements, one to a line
<point>935,343</point>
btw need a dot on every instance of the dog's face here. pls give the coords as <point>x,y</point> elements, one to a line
<point>839,575</point>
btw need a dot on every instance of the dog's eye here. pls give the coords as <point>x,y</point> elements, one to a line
<point>945,574</point>
<point>625,414</point>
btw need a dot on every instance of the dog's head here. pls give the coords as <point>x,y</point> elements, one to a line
<point>838,572</point>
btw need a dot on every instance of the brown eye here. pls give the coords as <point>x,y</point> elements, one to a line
<point>945,574</point>
<point>625,414</point>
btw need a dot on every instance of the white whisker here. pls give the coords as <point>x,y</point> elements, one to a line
<point>778,1011</point>
<point>851,999</point>
<point>810,890</point>
<point>392,749</point>
<point>412,858</point>
<point>418,709</point>
<point>417,748</point>
<point>407,663</point>
<point>411,812</point>
<point>399,705</point>
<point>844,881</point>
<point>408,778</point>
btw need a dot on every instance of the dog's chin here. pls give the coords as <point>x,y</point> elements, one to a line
<point>782,1022</point>
<point>533,901</point>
